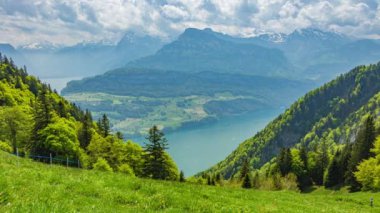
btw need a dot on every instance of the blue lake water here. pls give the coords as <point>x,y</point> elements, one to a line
<point>59,83</point>
<point>197,149</point>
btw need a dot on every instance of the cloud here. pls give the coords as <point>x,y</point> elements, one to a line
<point>72,21</point>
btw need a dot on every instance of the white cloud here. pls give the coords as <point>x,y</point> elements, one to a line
<point>71,21</point>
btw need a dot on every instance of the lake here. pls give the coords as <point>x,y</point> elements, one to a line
<point>198,149</point>
<point>59,83</point>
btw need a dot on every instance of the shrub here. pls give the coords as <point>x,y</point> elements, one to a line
<point>102,165</point>
<point>126,169</point>
<point>5,147</point>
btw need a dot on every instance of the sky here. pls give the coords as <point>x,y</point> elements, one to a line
<point>72,21</point>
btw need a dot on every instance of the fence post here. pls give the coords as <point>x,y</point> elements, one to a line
<point>17,156</point>
<point>51,160</point>
<point>67,161</point>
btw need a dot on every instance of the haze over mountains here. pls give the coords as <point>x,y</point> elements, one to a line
<point>48,60</point>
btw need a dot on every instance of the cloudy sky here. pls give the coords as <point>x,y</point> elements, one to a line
<point>72,21</point>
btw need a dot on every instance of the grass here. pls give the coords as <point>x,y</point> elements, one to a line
<point>27,186</point>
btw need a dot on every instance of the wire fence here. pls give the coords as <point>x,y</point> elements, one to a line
<point>51,160</point>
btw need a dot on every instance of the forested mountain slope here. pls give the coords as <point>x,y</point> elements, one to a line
<point>37,122</point>
<point>159,83</point>
<point>331,112</point>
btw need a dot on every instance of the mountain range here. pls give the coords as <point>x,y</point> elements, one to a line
<point>304,54</point>
<point>205,50</point>
<point>206,64</point>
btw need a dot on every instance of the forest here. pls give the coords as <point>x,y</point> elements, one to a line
<point>332,127</point>
<point>38,123</point>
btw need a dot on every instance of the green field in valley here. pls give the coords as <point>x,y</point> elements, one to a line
<point>135,115</point>
<point>27,186</point>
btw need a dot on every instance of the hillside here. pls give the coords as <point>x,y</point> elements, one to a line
<point>35,121</point>
<point>136,98</point>
<point>26,185</point>
<point>330,113</point>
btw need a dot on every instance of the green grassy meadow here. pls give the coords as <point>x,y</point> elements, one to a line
<point>27,186</point>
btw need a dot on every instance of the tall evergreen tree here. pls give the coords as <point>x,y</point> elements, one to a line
<point>334,171</point>
<point>182,177</point>
<point>256,180</point>
<point>208,180</point>
<point>303,155</point>
<point>284,161</point>
<point>361,150</point>
<point>42,117</point>
<point>104,125</point>
<point>61,109</point>
<point>244,169</point>
<point>344,162</point>
<point>322,162</point>
<point>303,178</point>
<point>247,184</point>
<point>85,134</point>
<point>155,165</point>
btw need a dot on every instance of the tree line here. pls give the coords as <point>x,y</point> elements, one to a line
<point>36,120</point>
<point>331,165</point>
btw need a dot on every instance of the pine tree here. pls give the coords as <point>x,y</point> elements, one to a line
<point>304,179</point>
<point>344,162</point>
<point>182,177</point>
<point>61,109</point>
<point>303,155</point>
<point>333,172</point>
<point>213,183</point>
<point>361,150</point>
<point>218,178</point>
<point>256,180</point>
<point>322,163</point>
<point>246,182</point>
<point>42,117</point>
<point>104,126</point>
<point>155,164</point>
<point>244,169</point>
<point>284,161</point>
<point>85,135</point>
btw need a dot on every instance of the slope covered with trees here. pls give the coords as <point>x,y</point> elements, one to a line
<point>333,114</point>
<point>36,122</point>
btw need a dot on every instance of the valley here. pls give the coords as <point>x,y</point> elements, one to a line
<point>189,106</point>
<point>135,99</point>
